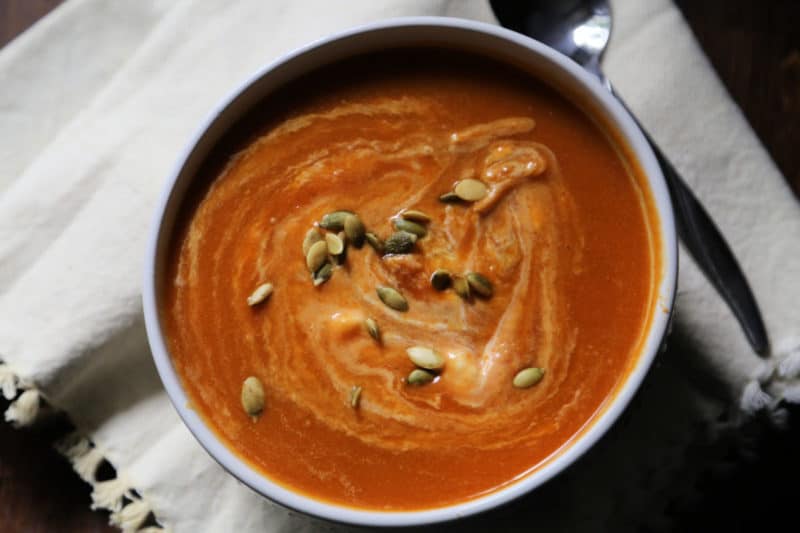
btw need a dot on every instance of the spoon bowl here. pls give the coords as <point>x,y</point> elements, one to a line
<point>581,29</point>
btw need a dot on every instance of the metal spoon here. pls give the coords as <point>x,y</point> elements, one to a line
<point>580,29</point>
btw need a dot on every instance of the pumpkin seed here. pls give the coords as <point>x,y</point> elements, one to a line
<point>392,298</point>
<point>408,226</point>
<point>471,190</point>
<point>355,396</point>
<point>400,242</point>
<point>323,274</point>
<point>419,377</point>
<point>342,257</point>
<point>373,329</point>
<point>425,358</point>
<point>479,284</point>
<point>528,377</point>
<point>449,198</point>
<point>312,236</point>
<point>252,396</point>
<point>441,279</point>
<point>335,221</point>
<point>415,216</point>
<point>461,286</point>
<point>335,244</point>
<point>317,256</point>
<point>261,293</point>
<point>376,242</point>
<point>355,230</point>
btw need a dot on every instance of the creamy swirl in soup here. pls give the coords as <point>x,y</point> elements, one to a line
<point>561,231</point>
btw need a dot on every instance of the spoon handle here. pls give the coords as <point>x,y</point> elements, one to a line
<point>709,249</point>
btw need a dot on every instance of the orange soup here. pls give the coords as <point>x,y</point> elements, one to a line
<point>409,279</point>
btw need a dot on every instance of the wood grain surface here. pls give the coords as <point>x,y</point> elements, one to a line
<point>754,46</point>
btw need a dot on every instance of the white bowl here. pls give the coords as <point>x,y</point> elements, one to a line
<point>518,50</point>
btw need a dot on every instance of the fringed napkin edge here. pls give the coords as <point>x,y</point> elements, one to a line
<point>128,508</point>
<point>776,383</point>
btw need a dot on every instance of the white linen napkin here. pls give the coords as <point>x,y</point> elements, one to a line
<point>97,100</point>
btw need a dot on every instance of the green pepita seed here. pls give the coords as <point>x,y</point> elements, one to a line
<point>261,293</point>
<point>335,221</point>
<point>373,329</point>
<point>415,216</point>
<point>392,298</point>
<point>355,230</point>
<point>471,190</point>
<point>342,257</point>
<point>355,396</point>
<point>252,396</point>
<point>376,242</point>
<point>461,286</point>
<point>528,377</point>
<point>323,274</point>
<point>335,244</point>
<point>425,358</point>
<point>402,224</point>
<point>449,198</point>
<point>312,236</point>
<point>441,279</point>
<point>419,377</point>
<point>400,242</point>
<point>317,256</point>
<point>479,284</point>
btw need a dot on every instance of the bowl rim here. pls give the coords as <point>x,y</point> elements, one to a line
<point>562,458</point>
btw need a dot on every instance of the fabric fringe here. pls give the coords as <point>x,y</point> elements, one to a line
<point>24,410</point>
<point>789,367</point>
<point>754,399</point>
<point>774,386</point>
<point>86,465</point>
<point>128,510</point>
<point>131,517</point>
<point>110,494</point>
<point>9,382</point>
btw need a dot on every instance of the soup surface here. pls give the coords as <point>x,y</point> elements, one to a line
<point>558,224</point>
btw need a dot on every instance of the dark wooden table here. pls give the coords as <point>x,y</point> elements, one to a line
<point>754,46</point>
